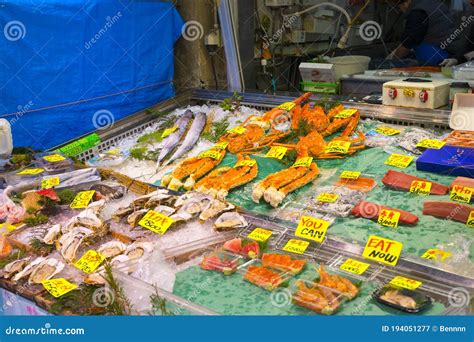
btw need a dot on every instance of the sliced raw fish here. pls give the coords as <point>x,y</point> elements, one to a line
<point>447,210</point>
<point>372,210</point>
<point>462,181</point>
<point>402,181</point>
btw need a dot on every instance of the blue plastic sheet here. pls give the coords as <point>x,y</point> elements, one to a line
<point>70,67</point>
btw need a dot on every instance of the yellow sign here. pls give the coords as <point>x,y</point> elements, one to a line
<point>387,130</point>
<point>350,174</point>
<point>250,163</point>
<point>327,198</point>
<point>354,266</point>
<point>58,287</point>
<point>156,222</point>
<point>82,199</point>
<point>30,172</point>
<point>50,182</point>
<point>260,234</point>
<point>338,146</point>
<point>436,254</point>
<point>346,113</point>
<point>399,160</point>
<point>312,228</point>
<point>8,226</point>
<point>210,154</point>
<point>54,158</point>
<point>431,143</point>
<point>389,218</point>
<point>409,92</point>
<point>287,106</point>
<point>406,283</point>
<point>470,220</point>
<point>115,151</point>
<point>237,130</point>
<point>168,131</point>
<point>221,146</point>
<point>461,193</point>
<point>383,250</point>
<point>421,188</point>
<point>89,261</point>
<point>277,152</point>
<point>303,162</point>
<point>296,246</point>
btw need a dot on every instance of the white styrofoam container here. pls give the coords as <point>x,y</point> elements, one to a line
<point>349,65</point>
<point>462,114</point>
<point>317,72</point>
<point>6,141</point>
<point>430,94</point>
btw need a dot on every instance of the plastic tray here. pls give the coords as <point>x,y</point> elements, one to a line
<point>56,167</point>
<point>284,262</point>
<point>221,261</point>
<point>274,280</point>
<point>422,301</point>
<point>317,298</point>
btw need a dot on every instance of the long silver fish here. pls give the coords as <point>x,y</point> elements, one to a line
<point>171,141</point>
<point>191,137</point>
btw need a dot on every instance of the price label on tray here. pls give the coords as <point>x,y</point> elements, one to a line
<point>82,199</point>
<point>33,171</point>
<point>346,113</point>
<point>8,227</point>
<point>54,158</point>
<point>431,143</point>
<point>421,188</point>
<point>156,222</point>
<point>406,283</point>
<point>354,266</point>
<point>327,198</point>
<point>249,163</point>
<point>470,219</point>
<point>260,234</point>
<point>49,182</point>
<point>89,261</point>
<point>210,154</point>
<point>168,131</point>
<point>237,130</point>
<point>312,228</point>
<point>388,218</point>
<point>303,162</point>
<point>350,175</point>
<point>399,160</point>
<point>387,130</point>
<point>461,194</point>
<point>382,250</point>
<point>436,254</point>
<point>221,146</point>
<point>338,147</point>
<point>296,246</point>
<point>287,106</point>
<point>58,287</point>
<point>277,152</point>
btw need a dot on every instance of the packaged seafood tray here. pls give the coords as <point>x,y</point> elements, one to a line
<point>262,276</point>
<point>221,261</point>
<point>354,180</point>
<point>402,299</point>
<point>291,212</point>
<point>412,136</point>
<point>346,284</point>
<point>283,261</point>
<point>53,162</point>
<point>335,200</point>
<point>108,159</point>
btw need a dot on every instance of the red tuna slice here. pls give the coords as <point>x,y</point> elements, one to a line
<point>250,250</point>
<point>372,210</point>
<point>462,181</point>
<point>234,245</point>
<point>447,210</point>
<point>402,181</point>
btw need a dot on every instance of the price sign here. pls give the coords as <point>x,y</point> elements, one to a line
<point>461,193</point>
<point>156,222</point>
<point>338,146</point>
<point>33,171</point>
<point>383,250</point>
<point>387,130</point>
<point>389,218</point>
<point>237,130</point>
<point>209,154</point>
<point>58,287</point>
<point>287,106</point>
<point>327,198</point>
<point>221,146</point>
<point>431,143</point>
<point>8,226</point>
<point>82,199</point>
<point>312,228</point>
<point>249,163</point>
<point>399,160</point>
<point>277,152</point>
<point>54,158</point>
<point>421,188</point>
<point>406,283</point>
<point>436,254</point>
<point>354,266</point>
<point>49,182</point>
<point>260,234</point>
<point>296,246</point>
<point>346,113</point>
<point>89,261</point>
<point>470,219</point>
<point>168,131</point>
<point>303,162</point>
<point>350,174</point>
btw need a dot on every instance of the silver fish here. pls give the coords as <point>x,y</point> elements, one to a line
<point>191,137</point>
<point>171,141</point>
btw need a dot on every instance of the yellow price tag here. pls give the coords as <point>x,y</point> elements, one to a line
<point>338,146</point>
<point>260,234</point>
<point>406,283</point>
<point>388,218</point>
<point>327,198</point>
<point>8,226</point>
<point>296,246</point>
<point>237,130</point>
<point>156,222</point>
<point>399,160</point>
<point>58,287</point>
<point>30,172</point>
<point>387,130</point>
<point>168,131</point>
<point>303,162</point>
<point>54,158</point>
<point>350,174</point>
<point>470,220</point>
<point>312,228</point>
<point>210,154</point>
<point>221,146</point>
<point>436,254</point>
<point>249,163</point>
<point>89,261</point>
<point>421,188</point>
<point>346,113</point>
<point>431,143</point>
<point>116,151</point>
<point>383,250</point>
<point>82,199</point>
<point>461,193</point>
<point>277,152</point>
<point>49,182</point>
<point>354,266</point>
<point>287,106</point>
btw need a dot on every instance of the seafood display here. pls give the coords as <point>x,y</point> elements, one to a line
<point>403,181</point>
<point>245,247</point>
<point>264,277</point>
<point>338,201</point>
<point>460,138</point>
<point>339,283</point>
<point>283,262</point>
<point>447,210</point>
<point>372,211</point>
<point>316,298</point>
<point>220,262</point>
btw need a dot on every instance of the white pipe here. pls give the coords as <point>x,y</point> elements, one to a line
<point>309,9</point>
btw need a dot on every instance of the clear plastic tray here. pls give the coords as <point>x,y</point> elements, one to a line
<point>344,283</point>
<point>284,262</point>
<point>265,277</point>
<point>464,71</point>
<point>221,261</point>
<point>343,204</point>
<point>364,183</point>
<point>317,298</point>
<point>54,167</point>
<point>410,301</point>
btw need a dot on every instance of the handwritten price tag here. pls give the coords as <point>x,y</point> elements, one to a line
<point>260,234</point>
<point>156,222</point>
<point>89,261</point>
<point>399,160</point>
<point>383,250</point>
<point>421,188</point>
<point>296,246</point>
<point>8,227</point>
<point>287,106</point>
<point>49,182</point>
<point>338,147</point>
<point>436,254</point>
<point>470,220</point>
<point>346,113</point>
<point>389,218</point>
<point>350,174</point>
<point>303,162</point>
<point>30,172</point>
<point>249,163</point>
<point>82,199</point>
<point>354,266</point>
<point>54,158</point>
<point>168,131</point>
<point>312,228</point>
<point>461,194</point>
<point>406,283</point>
<point>277,152</point>
<point>431,143</point>
<point>387,130</point>
<point>237,130</point>
<point>58,287</point>
<point>327,198</point>
<point>209,154</point>
<point>221,146</point>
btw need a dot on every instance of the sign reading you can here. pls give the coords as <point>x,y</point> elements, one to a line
<point>312,228</point>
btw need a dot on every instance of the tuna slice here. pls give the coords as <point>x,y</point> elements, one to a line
<point>447,210</point>
<point>372,210</point>
<point>462,181</point>
<point>402,181</point>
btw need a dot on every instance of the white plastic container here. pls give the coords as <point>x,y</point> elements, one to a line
<point>6,141</point>
<point>349,65</point>
<point>462,114</point>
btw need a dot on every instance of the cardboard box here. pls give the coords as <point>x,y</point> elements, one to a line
<point>449,160</point>
<point>317,72</point>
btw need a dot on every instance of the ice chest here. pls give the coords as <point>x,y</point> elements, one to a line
<point>449,160</point>
<point>416,93</point>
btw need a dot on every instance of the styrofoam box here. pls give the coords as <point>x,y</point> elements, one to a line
<point>317,72</point>
<point>462,114</point>
<point>409,94</point>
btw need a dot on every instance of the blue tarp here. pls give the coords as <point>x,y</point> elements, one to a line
<point>69,66</point>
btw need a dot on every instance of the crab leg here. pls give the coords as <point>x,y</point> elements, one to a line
<point>244,179</point>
